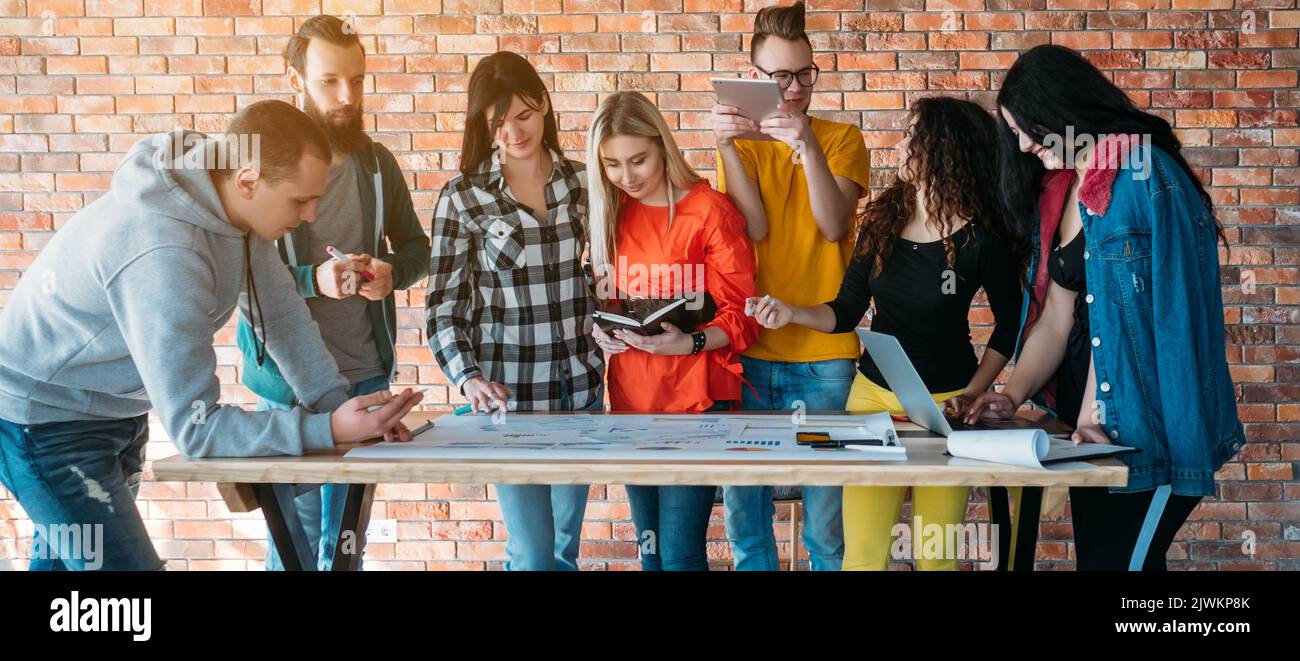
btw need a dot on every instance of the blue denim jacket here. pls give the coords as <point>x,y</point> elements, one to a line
<point>1155,311</point>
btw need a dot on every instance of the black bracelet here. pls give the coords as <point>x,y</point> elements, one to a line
<point>698,339</point>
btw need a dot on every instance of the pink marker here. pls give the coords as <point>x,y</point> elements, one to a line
<point>333,252</point>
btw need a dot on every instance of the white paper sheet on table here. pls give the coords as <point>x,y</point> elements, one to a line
<point>619,437</point>
<point>1027,448</point>
<point>876,425</point>
<point>1018,447</point>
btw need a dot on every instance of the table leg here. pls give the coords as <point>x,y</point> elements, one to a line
<point>284,525</point>
<point>356,518</point>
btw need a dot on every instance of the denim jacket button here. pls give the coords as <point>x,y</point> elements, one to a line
<point>1088,298</point>
<point>1096,341</point>
<point>1105,387</point>
<point>1114,434</point>
<point>1085,254</point>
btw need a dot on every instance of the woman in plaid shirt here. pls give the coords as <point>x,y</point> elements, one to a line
<point>508,308</point>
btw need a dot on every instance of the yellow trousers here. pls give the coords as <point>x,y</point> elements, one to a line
<point>871,512</point>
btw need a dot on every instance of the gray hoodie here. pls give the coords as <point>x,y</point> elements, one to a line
<point>116,316</point>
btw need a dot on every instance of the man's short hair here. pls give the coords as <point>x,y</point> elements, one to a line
<point>284,133</point>
<point>330,28</point>
<point>784,22</point>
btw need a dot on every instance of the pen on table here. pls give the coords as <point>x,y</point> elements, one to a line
<point>333,252</point>
<point>850,443</point>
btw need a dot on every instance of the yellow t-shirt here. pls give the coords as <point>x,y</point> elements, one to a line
<point>796,264</point>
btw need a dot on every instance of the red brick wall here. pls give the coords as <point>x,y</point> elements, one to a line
<point>81,79</point>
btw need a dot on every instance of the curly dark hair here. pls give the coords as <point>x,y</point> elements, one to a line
<point>954,152</point>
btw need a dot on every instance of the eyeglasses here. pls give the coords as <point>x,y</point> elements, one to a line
<point>783,78</point>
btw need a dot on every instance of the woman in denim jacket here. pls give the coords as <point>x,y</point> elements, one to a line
<point>1123,328</point>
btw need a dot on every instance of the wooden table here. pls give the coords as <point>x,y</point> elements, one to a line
<point>271,483</point>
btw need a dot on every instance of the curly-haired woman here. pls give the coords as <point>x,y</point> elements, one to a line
<point>925,246</point>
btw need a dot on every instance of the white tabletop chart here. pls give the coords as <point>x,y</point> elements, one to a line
<point>688,437</point>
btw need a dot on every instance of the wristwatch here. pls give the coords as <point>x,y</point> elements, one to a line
<point>698,338</point>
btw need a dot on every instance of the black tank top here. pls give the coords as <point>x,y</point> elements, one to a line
<point>1066,269</point>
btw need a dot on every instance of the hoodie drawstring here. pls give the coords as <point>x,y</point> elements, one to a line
<point>255,304</point>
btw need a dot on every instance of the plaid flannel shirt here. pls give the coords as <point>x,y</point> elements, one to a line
<point>508,298</point>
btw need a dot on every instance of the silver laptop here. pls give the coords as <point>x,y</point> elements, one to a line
<point>911,392</point>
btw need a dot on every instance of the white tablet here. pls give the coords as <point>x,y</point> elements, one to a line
<point>755,97</point>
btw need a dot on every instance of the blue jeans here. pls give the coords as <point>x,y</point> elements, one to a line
<point>820,385</point>
<point>672,523</point>
<point>672,526</point>
<point>544,521</point>
<point>77,481</point>
<point>321,509</point>
<point>543,525</point>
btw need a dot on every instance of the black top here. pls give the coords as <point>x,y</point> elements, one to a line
<point>1066,269</point>
<point>927,308</point>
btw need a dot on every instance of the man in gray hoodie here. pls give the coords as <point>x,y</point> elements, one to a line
<point>116,317</point>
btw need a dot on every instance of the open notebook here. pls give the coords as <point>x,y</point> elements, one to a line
<point>644,315</point>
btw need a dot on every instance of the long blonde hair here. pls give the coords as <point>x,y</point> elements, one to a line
<point>625,113</point>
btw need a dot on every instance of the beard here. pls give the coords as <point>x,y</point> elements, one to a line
<point>342,126</point>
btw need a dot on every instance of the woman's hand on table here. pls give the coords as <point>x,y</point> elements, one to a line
<point>989,405</point>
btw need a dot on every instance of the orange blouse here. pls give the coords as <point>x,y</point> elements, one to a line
<point>706,249</point>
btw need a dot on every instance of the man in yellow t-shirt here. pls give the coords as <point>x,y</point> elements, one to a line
<point>799,193</point>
